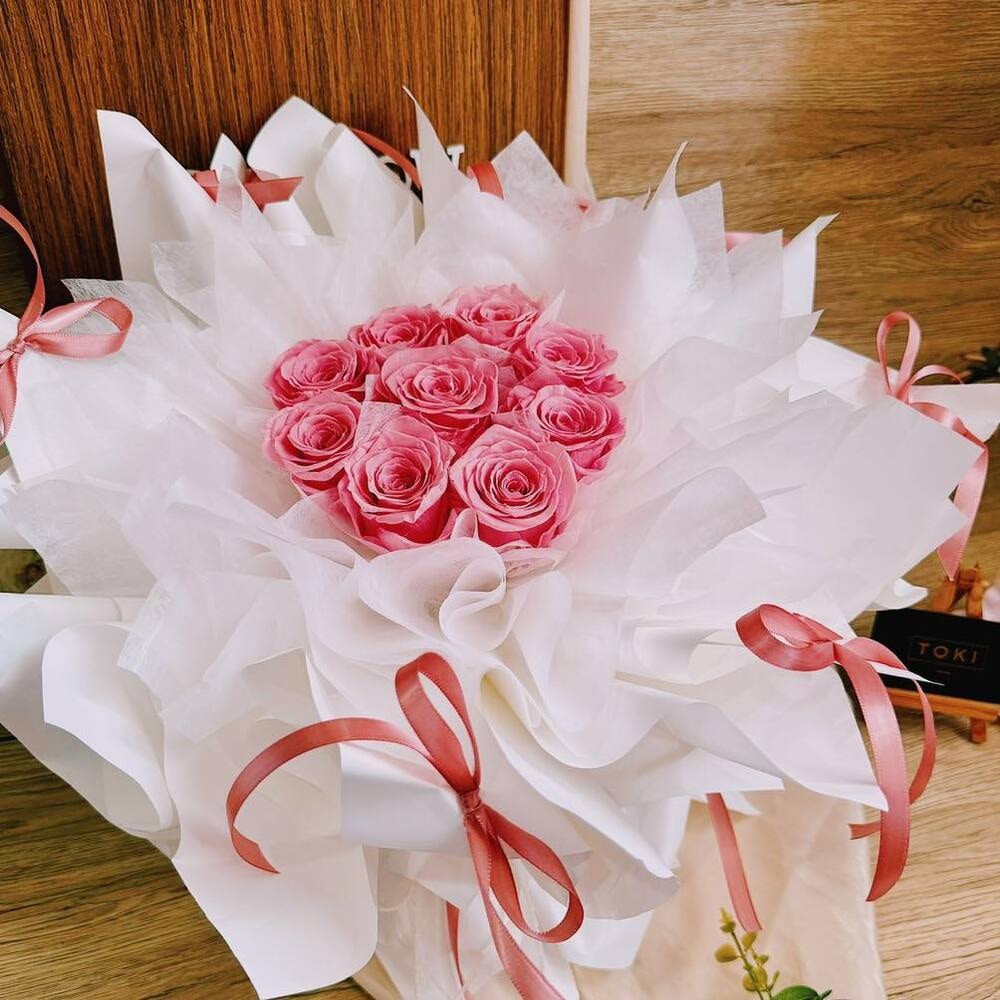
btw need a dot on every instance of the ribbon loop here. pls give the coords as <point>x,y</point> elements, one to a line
<point>969,492</point>
<point>900,387</point>
<point>486,829</point>
<point>444,750</point>
<point>485,175</point>
<point>795,642</point>
<point>543,859</point>
<point>48,332</point>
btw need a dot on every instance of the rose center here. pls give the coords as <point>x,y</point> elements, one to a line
<point>398,477</point>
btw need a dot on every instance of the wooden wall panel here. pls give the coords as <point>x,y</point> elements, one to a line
<point>887,113</point>
<point>483,69</point>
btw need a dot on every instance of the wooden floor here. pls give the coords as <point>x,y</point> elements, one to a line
<point>939,929</point>
<point>888,113</point>
<point>89,913</point>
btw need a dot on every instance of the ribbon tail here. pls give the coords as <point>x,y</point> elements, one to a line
<point>8,393</point>
<point>890,769</point>
<point>271,190</point>
<point>736,239</point>
<point>382,147</point>
<point>525,976</point>
<point>967,498</point>
<point>485,175</point>
<point>925,768</point>
<point>732,863</point>
<point>950,552</point>
<point>208,181</point>
<point>487,857</point>
<point>452,914</point>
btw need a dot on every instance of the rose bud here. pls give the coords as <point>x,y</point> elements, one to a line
<point>587,425</point>
<point>400,327</point>
<point>521,489</point>
<point>499,315</point>
<point>313,366</point>
<point>311,439</point>
<point>394,492</point>
<point>574,357</point>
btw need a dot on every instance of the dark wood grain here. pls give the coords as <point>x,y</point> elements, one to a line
<point>483,69</point>
<point>86,911</point>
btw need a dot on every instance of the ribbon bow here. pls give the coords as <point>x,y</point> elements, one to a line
<point>46,332</point>
<point>794,642</point>
<point>262,190</point>
<point>486,829</point>
<point>969,492</point>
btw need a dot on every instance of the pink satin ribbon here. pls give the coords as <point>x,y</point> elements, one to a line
<point>262,190</point>
<point>732,863</point>
<point>47,332</point>
<point>381,146</point>
<point>482,172</point>
<point>969,492</point>
<point>794,642</point>
<point>486,829</point>
<point>485,175</point>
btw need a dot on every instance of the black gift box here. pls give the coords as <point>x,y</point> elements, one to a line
<point>962,655</point>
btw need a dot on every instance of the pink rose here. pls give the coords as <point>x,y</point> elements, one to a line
<point>400,327</point>
<point>311,439</point>
<point>520,489</point>
<point>574,357</point>
<point>588,426</point>
<point>313,366</point>
<point>394,490</point>
<point>453,388</point>
<point>499,315</point>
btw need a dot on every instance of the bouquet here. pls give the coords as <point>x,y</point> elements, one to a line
<point>549,512</point>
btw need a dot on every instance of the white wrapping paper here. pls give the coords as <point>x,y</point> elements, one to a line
<point>210,610</point>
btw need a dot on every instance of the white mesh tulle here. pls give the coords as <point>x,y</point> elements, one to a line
<point>606,685</point>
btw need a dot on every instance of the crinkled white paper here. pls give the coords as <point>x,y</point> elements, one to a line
<point>209,610</point>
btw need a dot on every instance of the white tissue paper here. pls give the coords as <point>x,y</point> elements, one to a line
<point>207,609</point>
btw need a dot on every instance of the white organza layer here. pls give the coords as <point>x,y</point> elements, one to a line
<point>202,609</point>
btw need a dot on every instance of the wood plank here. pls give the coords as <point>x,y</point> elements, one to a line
<point>939,928</point>
<point>88,911</point>
<point>887,113</point>
<point>483,70</point>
